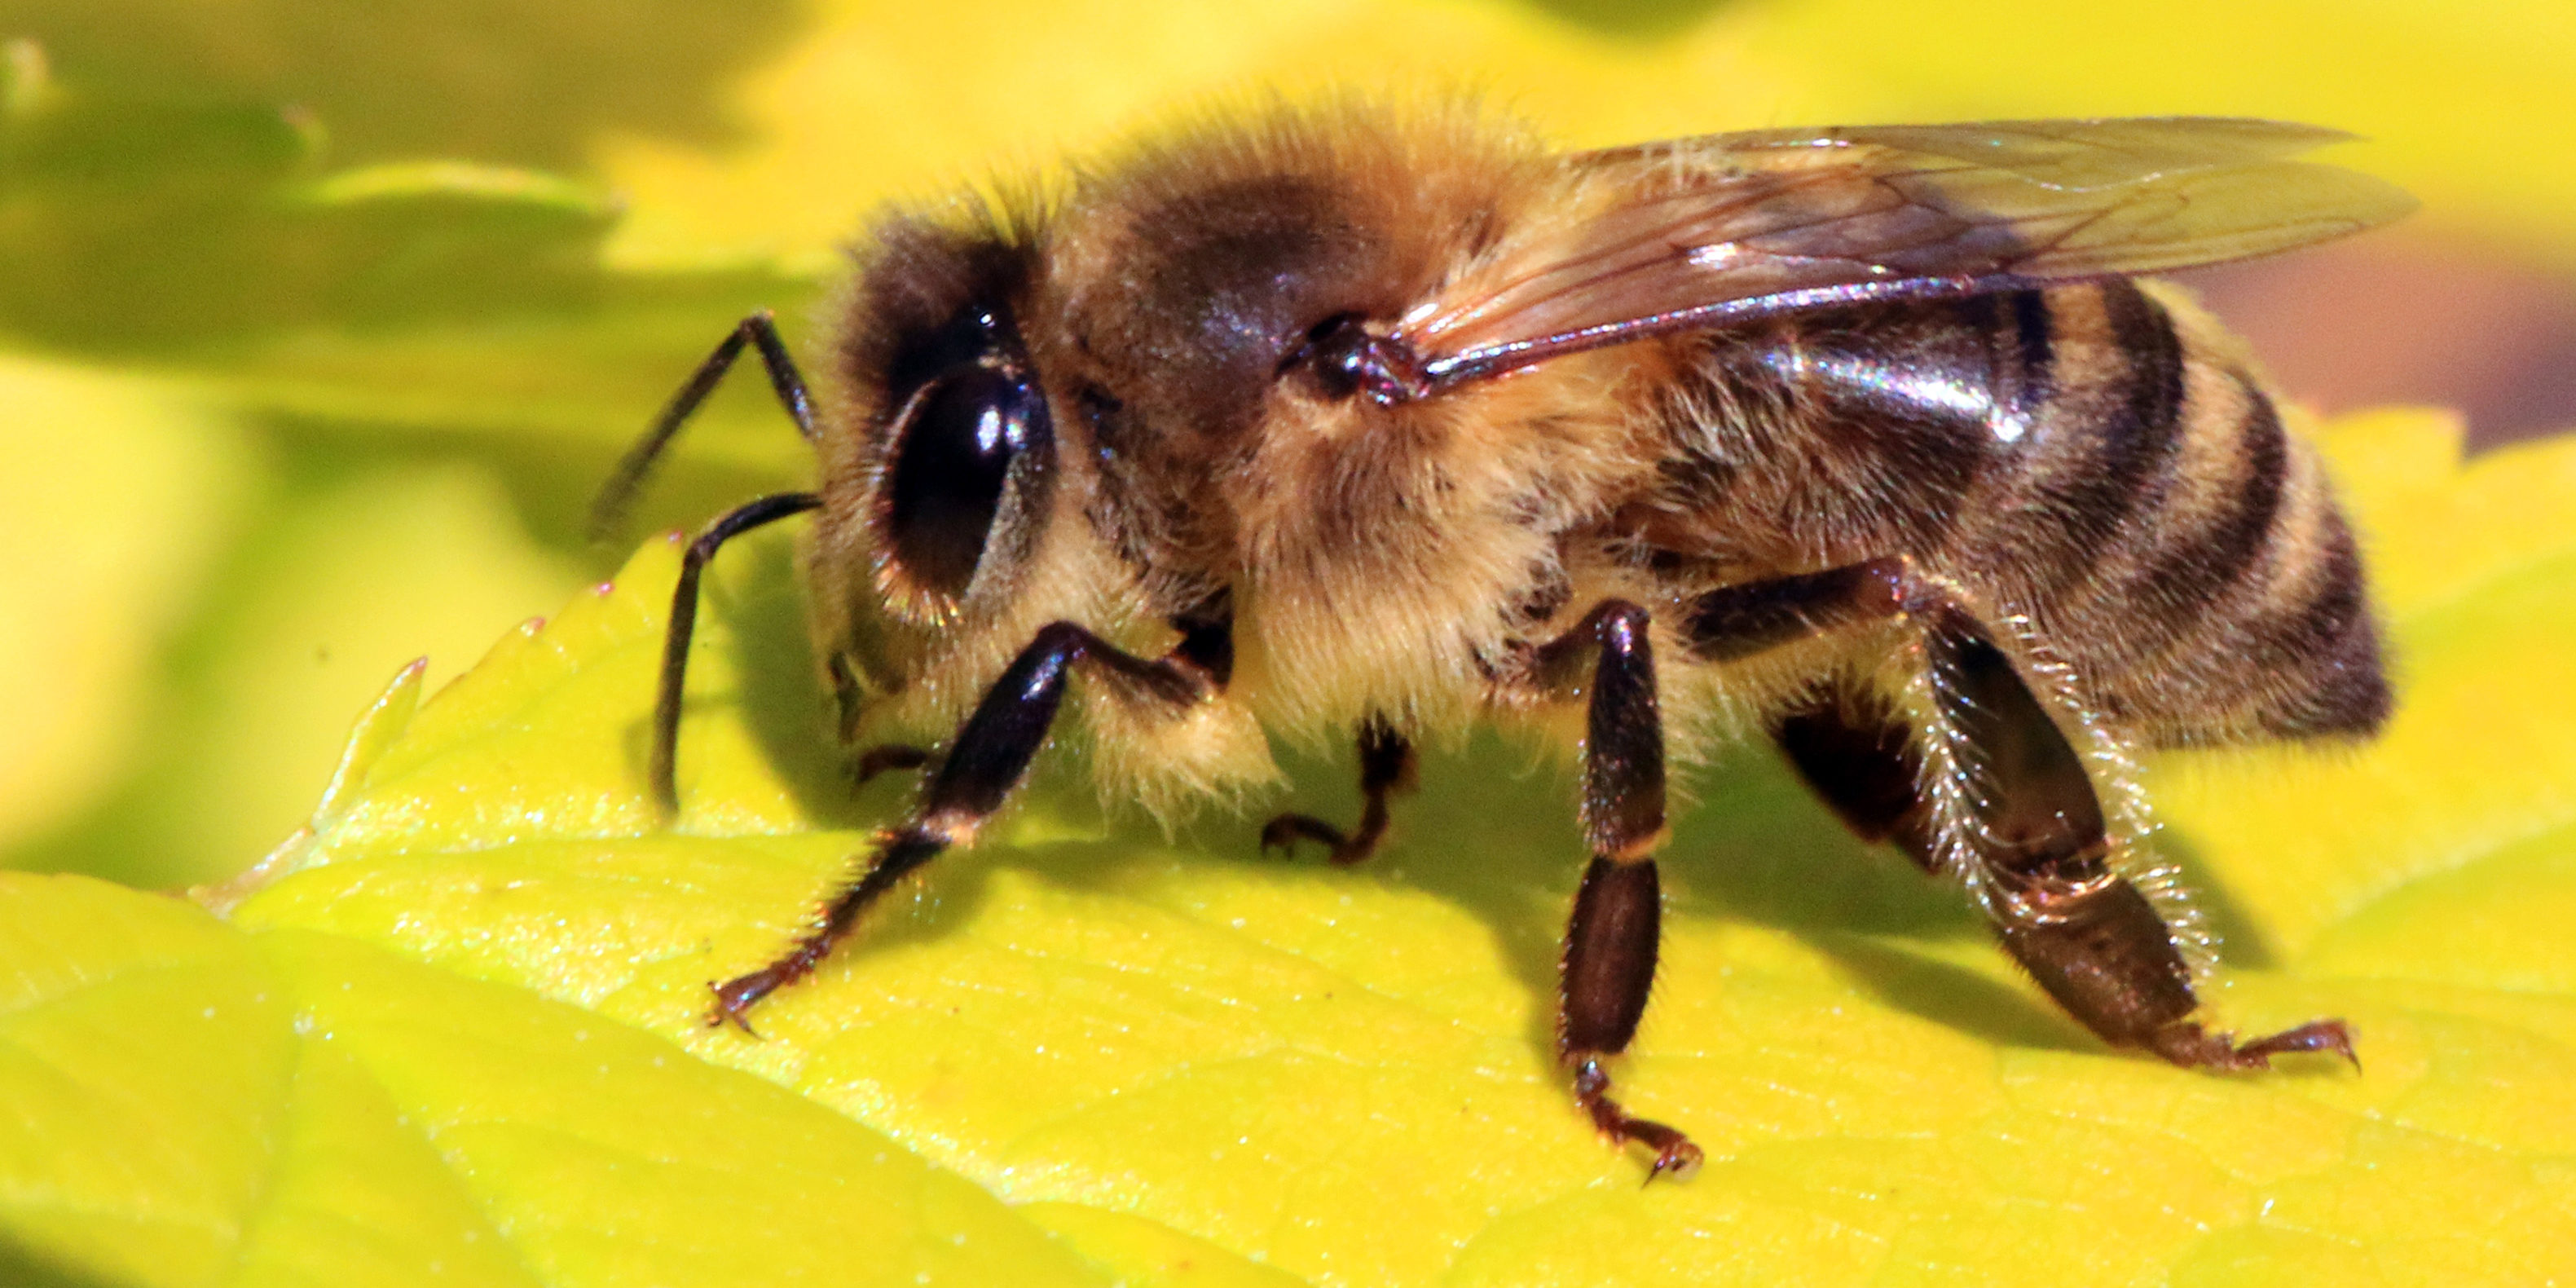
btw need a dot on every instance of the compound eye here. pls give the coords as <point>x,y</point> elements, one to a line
<point>960,437</point>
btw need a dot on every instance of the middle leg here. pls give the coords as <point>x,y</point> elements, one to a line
<point>1611,941</point>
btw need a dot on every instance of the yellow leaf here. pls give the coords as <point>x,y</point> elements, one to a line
<point>198,1106</point>
<point>1168,1049</point>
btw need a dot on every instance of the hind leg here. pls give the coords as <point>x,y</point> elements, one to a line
<point>2088,936</point>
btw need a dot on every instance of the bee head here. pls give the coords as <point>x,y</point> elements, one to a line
<point>955,449</point>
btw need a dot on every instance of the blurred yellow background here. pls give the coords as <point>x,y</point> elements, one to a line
<point>319,323</point>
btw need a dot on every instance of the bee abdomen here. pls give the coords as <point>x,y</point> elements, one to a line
<point>2089,457</point>
<point>2175,542</point>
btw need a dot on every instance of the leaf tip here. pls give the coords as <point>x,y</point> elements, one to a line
<point>376,729</point>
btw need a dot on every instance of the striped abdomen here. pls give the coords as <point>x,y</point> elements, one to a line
<point>2086,456</point>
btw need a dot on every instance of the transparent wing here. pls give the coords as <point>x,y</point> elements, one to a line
<point>1695,232</point>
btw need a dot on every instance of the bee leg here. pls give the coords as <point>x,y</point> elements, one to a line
<point>886,757</point>
<point>1845,744</point>
<point>991,753</point>
<point>1386,767</point>
<point>760,331</point>
<point>1858,757</point>
<point>663,772</point>
<point>1739,621</point>
<point>850,696</point>
<point>2087,935</point>
<point>1610,943</point>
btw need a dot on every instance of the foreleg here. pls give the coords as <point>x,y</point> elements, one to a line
<point>990,755</point>
<point>1387,766</point>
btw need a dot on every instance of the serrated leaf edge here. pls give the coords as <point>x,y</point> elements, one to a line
<point>376,729</point>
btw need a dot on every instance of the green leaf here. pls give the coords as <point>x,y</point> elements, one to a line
<point>473,993</point>
<point>134,221</point>
<point>556,398</point>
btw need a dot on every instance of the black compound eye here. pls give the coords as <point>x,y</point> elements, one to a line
<point>964,431</point>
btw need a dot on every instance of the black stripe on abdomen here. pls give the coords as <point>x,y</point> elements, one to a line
<point>2320,639</point>
<point>2211,553</point>
<point>2116,462</point>
<point>2033,358</point>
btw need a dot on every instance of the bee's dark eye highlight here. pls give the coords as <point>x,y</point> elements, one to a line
<point>961,435</point>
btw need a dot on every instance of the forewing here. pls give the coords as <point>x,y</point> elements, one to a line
<point>1697,232</point>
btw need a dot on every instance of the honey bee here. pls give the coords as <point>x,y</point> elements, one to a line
<point>1350,418</point>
